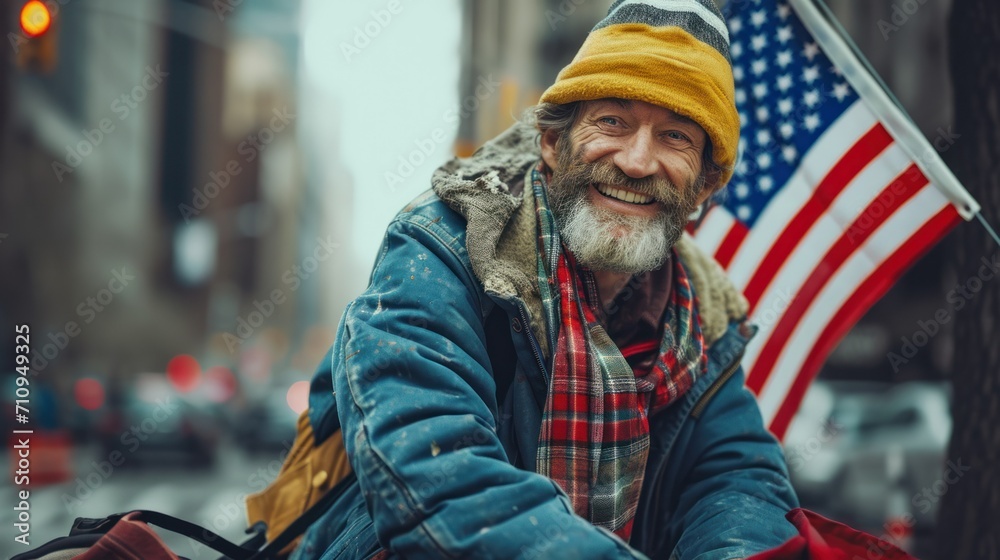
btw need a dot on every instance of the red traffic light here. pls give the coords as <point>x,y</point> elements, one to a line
<point>35,18</point>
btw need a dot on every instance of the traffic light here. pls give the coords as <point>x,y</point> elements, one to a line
<point>35,46</point>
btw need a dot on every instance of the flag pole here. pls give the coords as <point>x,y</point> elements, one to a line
<point>865,81</point>
<point>989,228</point>
<point>832,18</point>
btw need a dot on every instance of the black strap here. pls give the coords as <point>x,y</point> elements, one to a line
<point>196,532</point>
<point>303,522</point>
<point>233,551</point>
<point>83,526</point>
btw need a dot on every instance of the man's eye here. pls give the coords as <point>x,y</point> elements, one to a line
<point>613,121</point>
<point>675,135</point>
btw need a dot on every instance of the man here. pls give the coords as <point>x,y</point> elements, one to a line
<point>543,365</point>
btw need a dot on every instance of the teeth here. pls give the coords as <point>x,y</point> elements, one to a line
<point>623,195</point>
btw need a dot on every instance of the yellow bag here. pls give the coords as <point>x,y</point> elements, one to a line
<point>306,475</point>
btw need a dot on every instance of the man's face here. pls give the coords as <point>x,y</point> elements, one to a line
<point>625,180</point>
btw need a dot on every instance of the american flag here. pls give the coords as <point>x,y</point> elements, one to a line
<point>827,207</point>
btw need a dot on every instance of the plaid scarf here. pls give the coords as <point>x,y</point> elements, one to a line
<point>594,437</point>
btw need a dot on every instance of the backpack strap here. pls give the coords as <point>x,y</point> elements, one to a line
<point>311,515</point>
<point>89,526</point>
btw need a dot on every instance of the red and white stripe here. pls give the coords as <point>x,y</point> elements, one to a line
<point>828,246</point>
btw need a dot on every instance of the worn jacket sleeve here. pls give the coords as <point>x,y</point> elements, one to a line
<point>735,490</point>
<point>417,407</point>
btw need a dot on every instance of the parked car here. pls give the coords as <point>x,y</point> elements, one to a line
<point>155,425</point>
<point>266,425</point>
<point>870,452</point>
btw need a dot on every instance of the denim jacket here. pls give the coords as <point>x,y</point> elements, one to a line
<point>444,470</point>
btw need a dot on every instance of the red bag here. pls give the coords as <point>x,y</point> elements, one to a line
<point>822,539</point>
<point>129,538</point>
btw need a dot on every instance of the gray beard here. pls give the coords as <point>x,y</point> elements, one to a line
<point>603,239</point>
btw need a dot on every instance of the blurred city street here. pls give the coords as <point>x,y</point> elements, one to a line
<point>211,497</point>
<point>193,191</point>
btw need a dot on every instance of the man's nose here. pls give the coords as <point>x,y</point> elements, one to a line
<point>636,157</point>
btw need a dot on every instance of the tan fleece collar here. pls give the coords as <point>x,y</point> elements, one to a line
<point>501,241</point>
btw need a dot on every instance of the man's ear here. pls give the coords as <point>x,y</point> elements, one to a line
<point>548,143</point>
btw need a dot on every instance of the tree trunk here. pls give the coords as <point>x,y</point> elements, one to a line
<point>969,517</point>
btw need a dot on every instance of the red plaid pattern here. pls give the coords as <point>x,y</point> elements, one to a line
<point>594,437</point>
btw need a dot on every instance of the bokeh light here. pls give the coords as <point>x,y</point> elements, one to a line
<point>220,384</point>
<point>35,18</point>
<point>88,393</point>
<point>298,396</point>
<point>255,363</point>
<point>184,372</point>
<point>277,341</point>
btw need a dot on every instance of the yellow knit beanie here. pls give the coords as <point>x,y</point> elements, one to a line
<point>671,53</point>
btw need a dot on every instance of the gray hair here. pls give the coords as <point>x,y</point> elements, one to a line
<point>555,116</point>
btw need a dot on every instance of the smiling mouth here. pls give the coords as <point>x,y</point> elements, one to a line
<point>623,195</point>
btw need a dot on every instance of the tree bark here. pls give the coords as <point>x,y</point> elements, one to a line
<point>969,517</point>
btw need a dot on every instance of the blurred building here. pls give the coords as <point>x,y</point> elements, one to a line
<point>524,44</point>
<point>159,151</point>
<point>82,158</point>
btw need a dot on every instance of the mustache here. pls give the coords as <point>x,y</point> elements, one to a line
<point>575,172</point>
<point>608,173</point>
<point>605,172</point>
